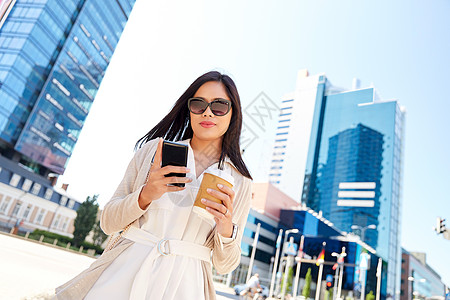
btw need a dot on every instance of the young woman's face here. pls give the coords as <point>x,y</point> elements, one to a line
<point>207,126</point>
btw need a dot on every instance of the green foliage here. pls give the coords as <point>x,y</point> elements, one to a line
<point>370,296</point>
<point>98,249</point>
<point>289,280</point>
<point>307,288</point>
<point>85,220</point>
<point>49,236</point>
<point>99,236</point>
<point>329,294</point>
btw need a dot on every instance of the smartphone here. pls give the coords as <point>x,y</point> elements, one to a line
<point>174,154</point>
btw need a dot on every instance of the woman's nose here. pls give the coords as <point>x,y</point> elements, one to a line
<point>208,112</point>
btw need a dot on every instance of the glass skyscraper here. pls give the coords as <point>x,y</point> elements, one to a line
<point>353,168</point>
<point>352,164</point>
<point>53,56</point>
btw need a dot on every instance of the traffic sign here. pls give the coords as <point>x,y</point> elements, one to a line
<point>364,261</point>
<point>291,249</point>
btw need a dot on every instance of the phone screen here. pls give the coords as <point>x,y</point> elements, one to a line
<point>174,154</point>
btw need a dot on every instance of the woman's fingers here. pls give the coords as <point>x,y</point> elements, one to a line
<point>171,188</point>
<point>226,195</point>
<point>158,155</point>
<point>175,179</point>
<point>173,169</point>
<point>215,213</point>
<point>216,206</point>
<point>227,190</point>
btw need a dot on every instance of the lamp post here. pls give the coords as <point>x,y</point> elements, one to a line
<point>363,229</point>
<point>276,262</point>
<point>340,262</point>
<point>252,258</point>
<point>286,234</point>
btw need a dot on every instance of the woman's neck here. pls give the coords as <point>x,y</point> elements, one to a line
<point>204,149</point>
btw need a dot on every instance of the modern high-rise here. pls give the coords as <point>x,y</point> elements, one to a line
<point>419,280</point>
<point>353,163</point>
<point>53,57</point>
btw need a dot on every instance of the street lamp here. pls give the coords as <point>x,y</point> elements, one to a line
<point>286,234</point>
<point>363,229</point>
<point>338,274</point>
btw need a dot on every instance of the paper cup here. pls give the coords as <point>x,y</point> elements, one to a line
<point>209,181</point>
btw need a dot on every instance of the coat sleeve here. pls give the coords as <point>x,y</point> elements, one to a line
<point>123,208</point>
<point>226,254</point>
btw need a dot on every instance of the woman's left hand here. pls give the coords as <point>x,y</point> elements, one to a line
<point>222,212</point>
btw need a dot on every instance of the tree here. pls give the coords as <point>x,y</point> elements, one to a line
<point>85,220</point>
<point>98,235</point>
<point>307,288</point>
<point>329,294</point>
<point>289,280</point>
<point>370,296</point>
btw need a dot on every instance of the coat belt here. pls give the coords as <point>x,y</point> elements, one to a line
<point>161,247</point>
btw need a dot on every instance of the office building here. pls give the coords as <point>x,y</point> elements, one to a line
<point>266,211</point>
<point>353,163</point>
<point>53,57</point>
<point>317,230</point>
<point>419,280</point>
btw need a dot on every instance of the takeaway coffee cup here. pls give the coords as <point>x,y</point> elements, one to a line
<point>211,180</point>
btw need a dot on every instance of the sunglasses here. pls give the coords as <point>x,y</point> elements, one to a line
<point>219,107</point>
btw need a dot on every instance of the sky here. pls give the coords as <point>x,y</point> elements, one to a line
<point>400,47</point>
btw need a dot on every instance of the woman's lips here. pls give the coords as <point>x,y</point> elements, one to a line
<point>207,124</point>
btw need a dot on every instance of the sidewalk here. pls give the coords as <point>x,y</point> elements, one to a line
<point>31,271</point>
<point>29,268</point>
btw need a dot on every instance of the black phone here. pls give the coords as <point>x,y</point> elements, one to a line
<point>174,154</point>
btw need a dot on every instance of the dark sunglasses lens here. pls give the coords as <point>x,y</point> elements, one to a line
<point>197,106</point>
<point>219,108</point>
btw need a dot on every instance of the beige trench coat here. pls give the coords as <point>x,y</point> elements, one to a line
<point>123,209</point>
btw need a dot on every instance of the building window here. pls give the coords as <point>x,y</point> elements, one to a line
<point>56,222</point>
<point>65,223</point>
<point>26,213</point>
<point>40,217</point>
<point>16,209</point>
<point>36,188</point>
<point>71,203</point>
<point>26,185</point>
<point>14,180</point>
<point>63,201</point>
<point>48,193</point>
<point>4,205</point>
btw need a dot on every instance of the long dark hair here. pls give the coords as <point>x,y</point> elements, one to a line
<point>175,126</point>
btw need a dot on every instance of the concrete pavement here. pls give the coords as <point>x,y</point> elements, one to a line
<point>31,271</point>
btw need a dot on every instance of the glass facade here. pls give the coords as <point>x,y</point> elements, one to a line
<point>266,240</point>
<point>419,281</point>
<point>53,56</point>
<point>353,169</point>
<point>316,232</point>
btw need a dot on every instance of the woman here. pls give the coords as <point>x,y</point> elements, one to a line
<point>165,250</point>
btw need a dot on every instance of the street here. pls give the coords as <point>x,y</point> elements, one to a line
<point>29,270</point>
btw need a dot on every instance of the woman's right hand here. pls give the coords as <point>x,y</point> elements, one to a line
<point>157,183</point>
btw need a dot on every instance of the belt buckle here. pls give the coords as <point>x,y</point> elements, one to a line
<point>162,243</point>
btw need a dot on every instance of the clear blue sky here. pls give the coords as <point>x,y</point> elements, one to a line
<point>402,47</point>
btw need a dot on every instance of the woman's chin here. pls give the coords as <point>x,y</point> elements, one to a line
<point>208,136</point>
